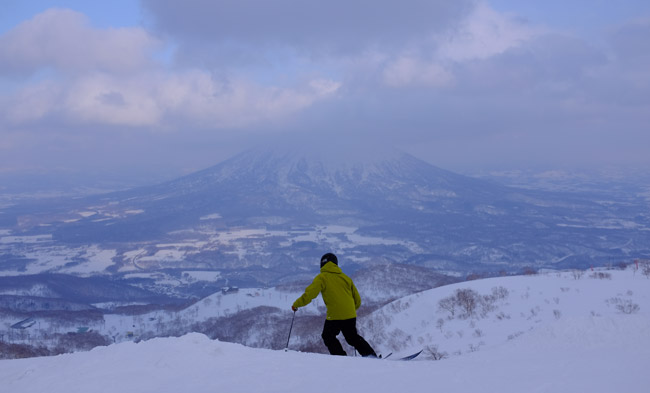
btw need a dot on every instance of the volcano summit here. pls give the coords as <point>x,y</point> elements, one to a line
<point>264,216</point>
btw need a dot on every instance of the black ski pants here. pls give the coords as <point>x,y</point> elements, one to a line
<point>349,329</point>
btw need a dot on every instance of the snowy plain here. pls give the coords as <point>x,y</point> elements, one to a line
<point>44,255</point>
<point>553,332</point>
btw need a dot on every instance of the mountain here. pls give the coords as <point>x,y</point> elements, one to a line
<point>556,332</point>
<point>265,216</point>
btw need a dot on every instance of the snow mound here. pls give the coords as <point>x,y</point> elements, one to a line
<point>197,364</point>
<point>590,347</point>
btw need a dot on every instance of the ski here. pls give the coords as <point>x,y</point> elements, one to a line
<point>411,357</point>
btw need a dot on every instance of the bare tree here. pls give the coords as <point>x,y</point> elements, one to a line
<point>627,307</point>
<point>577,274</point>
<point>601,276</point>
<point>645,269</point>
<point>468,300</point>
<point>529,271</point>
<point>434,353</point>
<point>500,293</point>
<point>448,304</point>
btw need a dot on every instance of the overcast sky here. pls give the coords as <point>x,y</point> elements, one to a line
<point>170,86</point>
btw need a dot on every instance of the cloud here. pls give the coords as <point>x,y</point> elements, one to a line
<point>627,77</point>
<point>630,40</point>
<point>455,80</point>
<point>162,100</point>
<point>107,77</point>
<point>481,34</point>
<point>335,26</point>
<point>409,70</point>
<point>64,40</point>
<point>484,33</point>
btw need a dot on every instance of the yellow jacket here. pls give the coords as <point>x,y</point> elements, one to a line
<point>339,293</point>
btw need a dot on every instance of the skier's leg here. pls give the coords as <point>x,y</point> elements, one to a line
<point>349,328</point>
<point>330,331</point>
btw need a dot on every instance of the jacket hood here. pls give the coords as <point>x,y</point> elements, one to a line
<point>330,267</point>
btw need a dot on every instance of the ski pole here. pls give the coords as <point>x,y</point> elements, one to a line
<point>294,317</point>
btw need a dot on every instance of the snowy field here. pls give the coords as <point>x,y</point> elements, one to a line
<point>42,254</point>
<point>572,356</point>
<point>555,332</point>
<point>515,306</point>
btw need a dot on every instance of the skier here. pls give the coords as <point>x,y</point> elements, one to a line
<point>342,301</point>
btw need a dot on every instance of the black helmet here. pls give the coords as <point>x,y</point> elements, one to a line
<point>329,257</point>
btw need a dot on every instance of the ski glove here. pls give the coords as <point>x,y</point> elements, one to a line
<point>294,308</point>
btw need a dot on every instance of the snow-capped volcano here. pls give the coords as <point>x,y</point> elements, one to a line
<point>300,178</point>
<point>265,215</point>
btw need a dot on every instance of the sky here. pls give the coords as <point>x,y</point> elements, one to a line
<point>167,87</point>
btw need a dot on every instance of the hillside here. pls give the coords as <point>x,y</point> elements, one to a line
<point>483,314</point>
<point>555,332</point>
<point>59,310</point>
<point>262,217</point>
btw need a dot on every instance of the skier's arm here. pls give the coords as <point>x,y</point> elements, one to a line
<point>310,293</point>
<point>356,297</point>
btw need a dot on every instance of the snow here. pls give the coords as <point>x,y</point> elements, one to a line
<point>554,332</point>
<point>44,256</point>
<point>64,259</point>
<point>532,303</point>
<point>213,216</point>
<point>606,224</point>
<point>573,356</point>
<point>219,304</point>
<point>25,239</point>
<point>163,256</point>
<point>38,290</point>
<point>243,242</point>
<point>96,260</point>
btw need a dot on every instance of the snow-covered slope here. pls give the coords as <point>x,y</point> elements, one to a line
<point>264,216</point>
<point>547,333</point>
<point>509,307</point>
<point>193,363</point>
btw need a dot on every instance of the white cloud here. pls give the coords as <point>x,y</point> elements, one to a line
<point>198,98</point>
<point>31,102</point>
<point>108,76</point>
<point>409,70</point>
<point>64,40</point>
<point>162,99</point>
<point>484,33</point>
<point>87,101</point>
<point>481,34</point>
<point>81,75</point>
<point>418,67</point>
<point>324,86</point>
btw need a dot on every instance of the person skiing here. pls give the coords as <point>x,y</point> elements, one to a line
<point>342,301</point>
